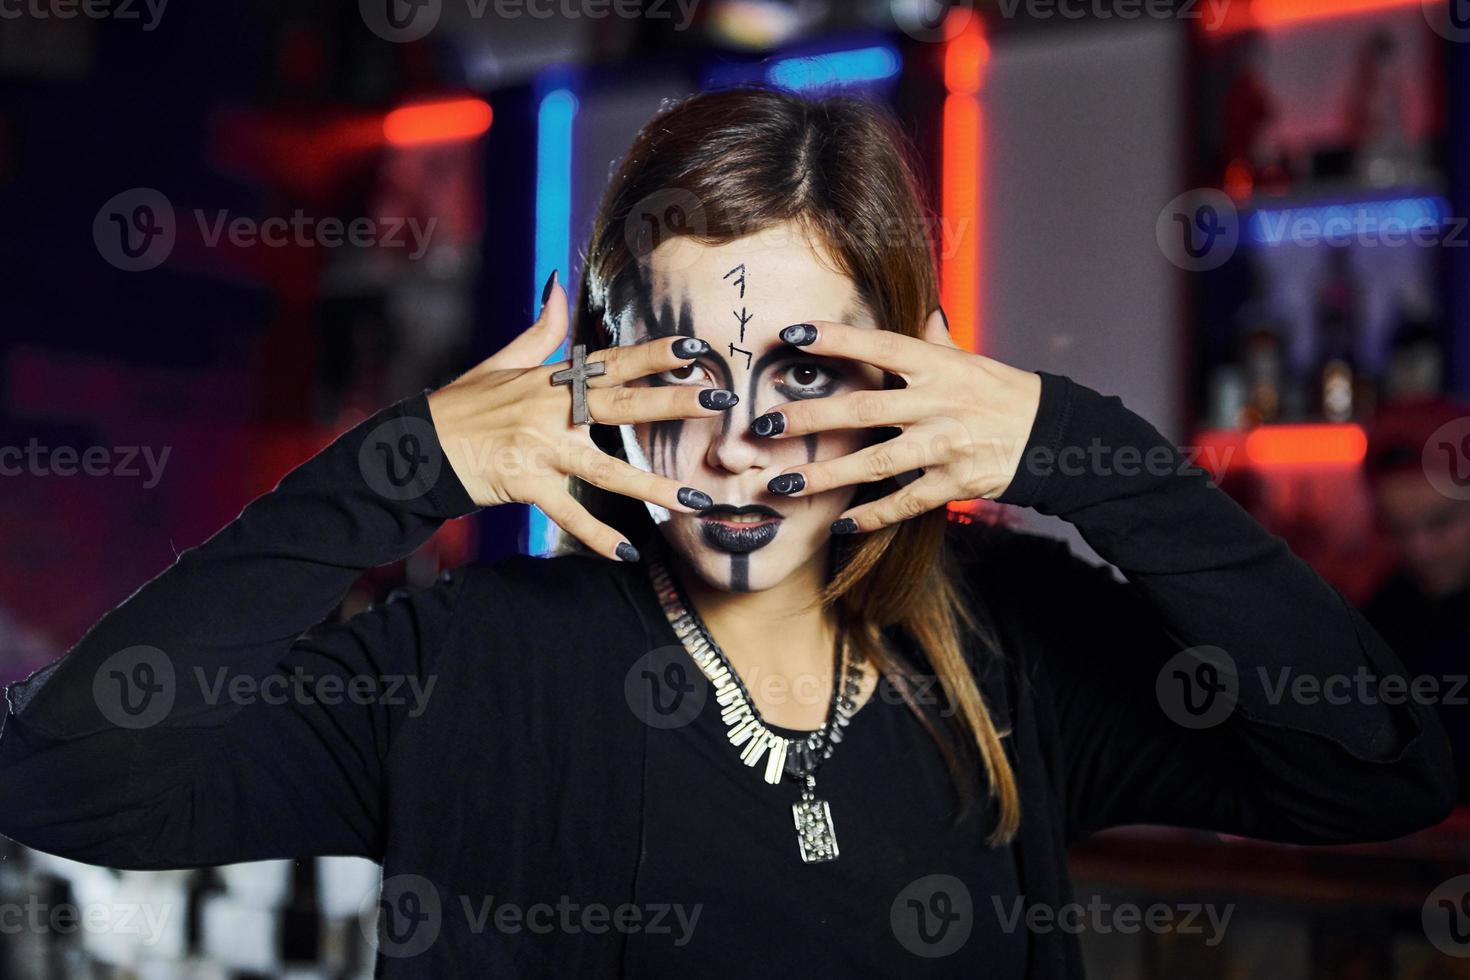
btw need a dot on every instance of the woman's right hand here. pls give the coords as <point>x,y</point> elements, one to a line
<point>507,431</point>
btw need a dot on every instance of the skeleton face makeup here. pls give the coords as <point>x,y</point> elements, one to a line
<point>737,297</point>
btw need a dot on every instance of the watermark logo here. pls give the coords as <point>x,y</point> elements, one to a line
<point>671,212</point>
<point>933,916</point>
<point>1450,19</point>
<point>400,21</point>
<point>1103,918</point>
<point>1446,917</point>
<point>400,459</point>
<point>1199,687</point>
<point>403,918</point>
<point>1446,459</point>
<point>931,21</point>
<point>149,12</point>
<point>135,688</point>
<point>1199,230</point>
<point>665,689</point>
<point>135,230</point>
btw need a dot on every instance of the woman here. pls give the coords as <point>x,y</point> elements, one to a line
<point>800,721</point>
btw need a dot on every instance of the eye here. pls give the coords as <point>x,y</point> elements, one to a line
<point>807,379</point>
<point>692,373</point>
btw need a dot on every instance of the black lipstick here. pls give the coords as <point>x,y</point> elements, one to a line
<point>738,538</point>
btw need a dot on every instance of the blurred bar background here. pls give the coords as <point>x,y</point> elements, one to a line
<point>231,231</point>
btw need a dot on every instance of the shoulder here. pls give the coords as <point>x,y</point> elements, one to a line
<point>994,558</point>
<point>530,584</point>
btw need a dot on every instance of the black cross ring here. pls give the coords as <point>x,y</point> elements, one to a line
<point>577,376</point>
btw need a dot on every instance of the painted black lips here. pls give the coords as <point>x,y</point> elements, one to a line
<point>741,539</point>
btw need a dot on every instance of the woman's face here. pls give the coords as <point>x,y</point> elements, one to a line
<point>737,297</point>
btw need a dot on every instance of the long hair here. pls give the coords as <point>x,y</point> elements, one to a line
<point>722,165</point>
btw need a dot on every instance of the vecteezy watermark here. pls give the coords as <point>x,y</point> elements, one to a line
<point>666,689</point>
<point>145,920</point>
<point>1417,222</point>
<point>1127,918</point>
<point>1446,459</point>
<point>1100,459</point>
<point>137,229</point>
<point>149,12</point>
<point>932,916</point>
<point>1449,18</point>
<point>401,458</point>
<point>1445,917</point>
<point>1363,686</point>
<point>932,21</point>
<point>1199,230</point>
<point>138,687</point>
<point>299,687</point>
<point>407,915</point>
<point>34,459</point>
<point>1211,13</point>
<point>1198,687</point>
<point>404,21</point>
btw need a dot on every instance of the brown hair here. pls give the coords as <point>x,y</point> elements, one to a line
<point>721,165</point>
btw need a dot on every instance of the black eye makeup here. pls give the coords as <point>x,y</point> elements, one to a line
<point>807,377</point>
<point>804,378</point>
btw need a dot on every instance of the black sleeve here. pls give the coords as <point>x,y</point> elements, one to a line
<point>211,717</point>
<point>1225,685</point>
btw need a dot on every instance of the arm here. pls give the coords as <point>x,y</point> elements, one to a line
<point>194,724</point>
<point>1202,573</point>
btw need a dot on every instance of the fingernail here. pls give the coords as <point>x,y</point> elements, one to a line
<point>626,552</point>
<point>698,499</point>
<point>786,483</point>
<point>546,289</point>
<point>769,424</point>
<point>945,317</point>
<point>690,347</point>
<point>799,334</point>
<point>718,398</point>
<point>844,525</point>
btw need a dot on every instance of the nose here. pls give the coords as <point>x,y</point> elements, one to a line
<point>734,449</point>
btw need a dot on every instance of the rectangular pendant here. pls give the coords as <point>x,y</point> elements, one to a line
<point>815,834</point>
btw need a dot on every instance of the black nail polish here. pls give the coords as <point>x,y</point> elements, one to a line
<point>844,525</point>
<point>718,398</point>
<point>546,289</point>
<point>769,424</point>
<point>799,334</point>
<point>690,347</point>
<point>786,483</point>
<point>698,499</point>
<point>626,552</point>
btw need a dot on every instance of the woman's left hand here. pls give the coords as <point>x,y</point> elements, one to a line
<point>965,420</point>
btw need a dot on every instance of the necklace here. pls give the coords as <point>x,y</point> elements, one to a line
<point>816,836</point>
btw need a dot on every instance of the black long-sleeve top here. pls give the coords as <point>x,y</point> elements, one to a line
<point>481,740</point>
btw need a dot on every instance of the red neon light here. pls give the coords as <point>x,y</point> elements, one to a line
<point>1295,445</point>
<point>962,179</point>
<point>437,122</point>
<point>1268,14</point>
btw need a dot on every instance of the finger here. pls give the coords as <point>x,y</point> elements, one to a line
<point>628,362</point>
<point>936,329</point>
<point>542,338</point>
<point>854,410</point>
<point>920,497</point>
<point>869,465</point>
<point>613,474</point>
<point>896,353</point>
<point>626,405</point>
<point>568,514</point>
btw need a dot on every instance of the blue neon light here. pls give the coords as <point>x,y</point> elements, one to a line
<point>1399,221</point>
<point>554,119</point>
<point>855,67</point>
